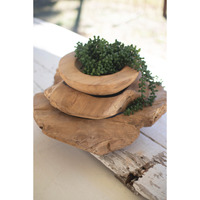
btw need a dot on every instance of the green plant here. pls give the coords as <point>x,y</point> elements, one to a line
<point>99,57</point>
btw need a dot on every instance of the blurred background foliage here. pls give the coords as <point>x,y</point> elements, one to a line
<point>137,22</point>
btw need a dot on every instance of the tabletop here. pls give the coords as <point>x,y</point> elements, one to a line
<point>65,172</point>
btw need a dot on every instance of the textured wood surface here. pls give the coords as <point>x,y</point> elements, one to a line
<point>57,77</point>
<point>97,85</point>
<point>150,143</point>
<point>76,103</point>
<point>140,166</point>
<point>96,136</point>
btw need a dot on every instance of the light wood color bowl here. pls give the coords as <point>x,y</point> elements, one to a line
<point>98,136</point>
<point>76,103</point>
<point>69,69</point>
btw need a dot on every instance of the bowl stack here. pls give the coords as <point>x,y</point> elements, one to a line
<point>87,111</point>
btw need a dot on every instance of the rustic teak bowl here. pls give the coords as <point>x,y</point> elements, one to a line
<point>66,113</point>
<point>76,103</point>
<point>69,68</point>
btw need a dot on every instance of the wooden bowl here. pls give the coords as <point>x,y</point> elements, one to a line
<point>79,104</point>
<point>69,68</point>
<point>96,136</point>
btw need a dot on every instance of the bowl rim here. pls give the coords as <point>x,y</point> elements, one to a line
<point>111,83</point>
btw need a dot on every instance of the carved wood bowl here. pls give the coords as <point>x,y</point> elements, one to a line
<point>76,103</point>
<point>69,69</point>
<point>98,136</point>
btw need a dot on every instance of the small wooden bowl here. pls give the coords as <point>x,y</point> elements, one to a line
<point>69,68</point>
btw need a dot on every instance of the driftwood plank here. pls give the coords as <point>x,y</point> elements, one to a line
<point>152,185</point>
<point>132,157</point>
<point>141,167</point>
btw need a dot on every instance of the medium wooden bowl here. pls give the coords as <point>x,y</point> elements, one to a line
<point>69,68</point>
<point>76,103</point>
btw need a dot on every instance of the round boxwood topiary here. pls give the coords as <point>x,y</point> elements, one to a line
<point>99,57</point>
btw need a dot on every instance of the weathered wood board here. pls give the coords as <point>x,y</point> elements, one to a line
<point>151,142</point>
<point>141,167</point>
<point>152,185</point>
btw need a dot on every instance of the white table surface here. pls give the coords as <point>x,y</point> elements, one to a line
<point>61,171</point>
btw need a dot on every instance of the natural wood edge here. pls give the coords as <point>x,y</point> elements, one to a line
<point>148,177</point>
<point>57,77</point>
<point>138,172</point>
<point>96,85</point>
<point>97,136</point>
<point>73,102</point>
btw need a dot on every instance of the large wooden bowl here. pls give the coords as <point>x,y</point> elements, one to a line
<point>69,68</point>
<point>98,136</point>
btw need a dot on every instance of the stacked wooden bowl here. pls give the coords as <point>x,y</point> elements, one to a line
<point>87,111</point>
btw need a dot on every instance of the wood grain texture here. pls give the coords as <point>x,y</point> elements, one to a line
<point>150,114</point>
<point>143,150</point>
<point>57,77</point>
<point>76,103</point>
<point>140,166</point>
<point>96,85</point>
<point>97,136</point>
<point>152,185</point>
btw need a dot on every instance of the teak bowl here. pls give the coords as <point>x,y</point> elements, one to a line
<point>79,104</point>
<point>69,69</point>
